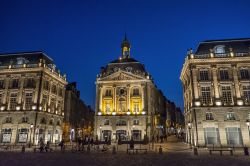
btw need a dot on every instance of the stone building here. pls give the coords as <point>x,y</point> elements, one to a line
<point>31,98</point>
<point>216,86</point>
<point>128,104</point>
<point>78,117</point>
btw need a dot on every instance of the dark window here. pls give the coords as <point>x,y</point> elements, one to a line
<point>136,122</point>
<point>30,83</point>
<point>224,75</point>
<point>46,85</point>
<point>136,92</point>
<point>43,121</point>
<point>1,84</point>
<point>209,116</point>
<point>54,89</point>
<point>121,123</point>
<point>230,116</point>
<point>244,74</point>
<point>106,122</point>
<point>8,119</point>
<point>15,83</point>
<point>204,75</point>
<point>25,119</point>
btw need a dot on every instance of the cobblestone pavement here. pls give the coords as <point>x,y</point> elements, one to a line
<point>174,153</point>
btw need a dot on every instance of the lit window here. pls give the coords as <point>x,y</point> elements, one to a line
<point>219,49</point>
<point>209,116</point>
<point>13,101</point>
<point>206,95</point>
<point>230,116</point>
<point>136,107</point>
<point>28,101</point>
<point>226,94</point>
<point>246,92</point>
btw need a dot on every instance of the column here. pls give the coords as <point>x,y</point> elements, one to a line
<point>19,100</point>
<point>100,97</point>
<point>142,96</point>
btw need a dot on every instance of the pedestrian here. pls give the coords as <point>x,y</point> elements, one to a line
<point>157,138</point>
<point>47,146</point>
<point>92,141</point>
<point>131,145</point>
<point>61,144</point>
<point>41,145</point>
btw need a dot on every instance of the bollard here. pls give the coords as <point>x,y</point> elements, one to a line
<point>23,148</point>
<point>195,151</point>
<point>114,150</point>
<point>246,151</point>
<point>160,150</point>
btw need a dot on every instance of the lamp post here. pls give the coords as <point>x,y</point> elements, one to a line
<point>31,127</point>
<point>100,132</point>
<point>189,128</point>
<point>248,124</point>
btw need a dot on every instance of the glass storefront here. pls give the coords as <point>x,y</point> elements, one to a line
<point>6,135</point>
<point>234,136</point>
<point>121,134</point>
<point>23,135</point>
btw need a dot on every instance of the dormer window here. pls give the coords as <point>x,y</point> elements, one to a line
<point>220,49</point>
<point>21,61</point>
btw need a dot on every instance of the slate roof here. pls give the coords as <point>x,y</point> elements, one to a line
<point>30,58</point>
<point>240,45</point>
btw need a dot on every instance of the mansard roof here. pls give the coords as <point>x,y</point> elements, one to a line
<point>28,57</point>
<point>239,45</point>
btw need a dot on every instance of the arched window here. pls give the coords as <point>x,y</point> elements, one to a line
<point>220,49</point>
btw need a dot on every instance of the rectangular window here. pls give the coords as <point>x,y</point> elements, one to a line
<point>246,92</point>
<point>1,84</point>
<point>6,135</point>
<point>204,75</point>
<point>13,101</point>
<point>226,94</point>
<point>136,122</point>
<point>30,83</point>
<point>206,95</point>
<point>28,101</point>
<point>106,122</point>
<point>52,105</point>
<point>46,85</point>
<point>209,116</point>
<point>230,116</point>
<point>15,83</point>
<point>136,134</point>
<point>212,136</point>
<point>244,74</point>
<point>224,75</point>
<point>234,136</point>
<point>1,96</point>
<point>53,89</point>
<point>44,102</point>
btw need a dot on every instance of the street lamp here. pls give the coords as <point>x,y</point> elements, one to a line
<point>31,127</point>
<point>189,128</point>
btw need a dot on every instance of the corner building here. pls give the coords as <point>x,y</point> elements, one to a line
<point>31,98</point>
<point>127,100</point>
<point>216,86</point>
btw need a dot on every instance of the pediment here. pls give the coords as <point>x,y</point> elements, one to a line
<point>121,75</point>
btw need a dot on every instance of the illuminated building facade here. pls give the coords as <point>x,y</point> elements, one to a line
<point>216,86</point>
<point>31,98</point>
<point>128,104</point>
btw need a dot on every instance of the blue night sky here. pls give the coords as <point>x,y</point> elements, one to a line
<point>82,36</point>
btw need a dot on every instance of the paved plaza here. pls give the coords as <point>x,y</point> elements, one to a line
<point>174,153</point>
